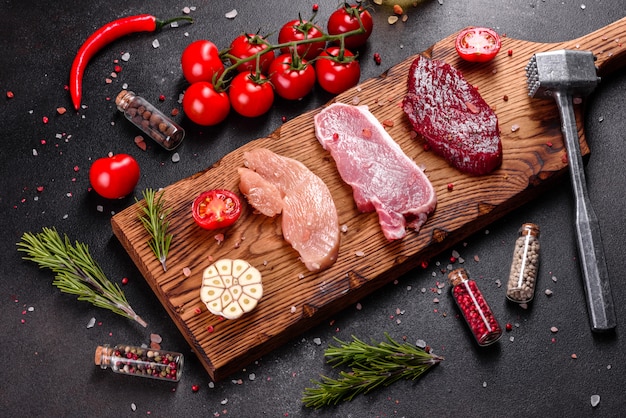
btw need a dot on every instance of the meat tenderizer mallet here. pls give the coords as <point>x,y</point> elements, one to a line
<point>563,75</point>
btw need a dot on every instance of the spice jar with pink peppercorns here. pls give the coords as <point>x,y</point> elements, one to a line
<point>474,307</point>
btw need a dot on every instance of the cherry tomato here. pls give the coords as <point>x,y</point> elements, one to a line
<point>297,30</point>
<point>216,208</point>
<point>345,20</point>
<point>250,95</point>
<point>478,44</point>
<point>292,78</point>
<point>114,177</point>
<point>201,61</point>
<point>245,46</point>
<point>337,75</point>
<point>204,105</point>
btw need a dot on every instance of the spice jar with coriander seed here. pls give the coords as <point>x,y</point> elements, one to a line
<point>474,308</point>
<point>150,120</point>
<point>524,265</point>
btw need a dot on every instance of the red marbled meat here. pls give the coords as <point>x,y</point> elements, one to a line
<point>382,176</point>
<point>275,184</point>
<point>453,117</point>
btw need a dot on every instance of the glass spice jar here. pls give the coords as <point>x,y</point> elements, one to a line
<point>150,120</point>
<point>138,361</point>
<point>474,308</point>
<point>524,266</point>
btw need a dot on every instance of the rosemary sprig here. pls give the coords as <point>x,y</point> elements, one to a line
<point>154,219</point>
<point>372,366</point>
<point>76,271</point>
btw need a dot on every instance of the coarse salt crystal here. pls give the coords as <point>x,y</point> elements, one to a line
<point>595,400</point>
<point>232,14</point>
<point>91,323</point>
<point>155,44</point>
<point>317,341</point>
<point>125,56</point>
<point>175,157</point>
<point>359,254</point>
<point>187,271</point>
<point>554,330</point>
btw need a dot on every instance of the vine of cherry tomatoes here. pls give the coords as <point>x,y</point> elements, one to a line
<point>252,71</point>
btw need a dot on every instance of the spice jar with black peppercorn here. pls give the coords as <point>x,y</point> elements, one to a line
<point>474,307</point>
<point>150,120</point>
<point>139,361</point>
<point>524,266</point>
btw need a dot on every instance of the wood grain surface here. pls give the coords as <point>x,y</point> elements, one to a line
<point>295,299</point>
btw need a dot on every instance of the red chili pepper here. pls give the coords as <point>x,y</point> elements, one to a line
<point>105,35</point>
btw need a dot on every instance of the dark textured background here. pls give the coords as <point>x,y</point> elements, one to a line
<point>47,348</point>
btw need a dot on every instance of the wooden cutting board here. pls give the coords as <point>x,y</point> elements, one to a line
<point>294,299</point>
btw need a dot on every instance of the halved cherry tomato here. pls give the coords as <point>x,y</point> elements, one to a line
<point>251,95</point>
<point>478,44</point>
<point>114,177</point>
<point>297,30</point>
<point>245,46</point>
<point>216,208</point>
<point>345,19</point>
<point>335,74</point>
<point>292,78</point>
<point>200,61</point>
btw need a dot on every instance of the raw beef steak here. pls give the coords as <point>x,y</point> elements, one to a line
<point>453,117</point>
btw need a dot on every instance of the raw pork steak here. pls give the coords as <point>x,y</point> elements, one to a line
<point>275,184</point>
<point>382,176</point>
<point>453,117</point>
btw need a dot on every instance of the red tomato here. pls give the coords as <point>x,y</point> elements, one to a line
<point>478,44</point>
<point>250,95</point>
<point>201,61</point>
<point>204,105</point>
<point>292,80</point>
<point>297,30</point>
<point>337,75</point>
<point>114,177</point>
<point>245,46</point>
<point>216,208</point>
<point>345,20</point>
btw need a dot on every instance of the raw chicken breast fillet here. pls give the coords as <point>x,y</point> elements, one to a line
<point>274,184</point>
<point>382,176</point>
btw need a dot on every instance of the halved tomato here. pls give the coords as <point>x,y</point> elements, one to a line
<point>216,208</point>
<point>478,44</point>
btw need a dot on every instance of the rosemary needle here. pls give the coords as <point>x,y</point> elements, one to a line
<point>76,271</point>
<point>371,366</point>
<point>154,220</point>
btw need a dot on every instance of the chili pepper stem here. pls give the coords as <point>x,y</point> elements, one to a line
<point>160,24</point>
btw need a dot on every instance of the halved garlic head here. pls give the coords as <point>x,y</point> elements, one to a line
<point>231,288</point>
